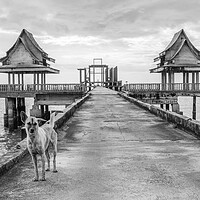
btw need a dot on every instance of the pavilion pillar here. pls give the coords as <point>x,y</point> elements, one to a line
<point>85,74</point>
<point>13,78</point>
<point>193,80</point>
<point>103,76</point>
<point>22,78</point>
<point>9,79</point>
<point>80,76</point>
<point>187,80</point>
<point>163,80</point>
<point>38,81</point>
<point>89,79</point>
<point>42,81</point>
<point>34,81</point>
<point>197,81</point>
<point>169,80</point>
<point>184,80</point>
<point>172,80</point>
<point>93,75</point>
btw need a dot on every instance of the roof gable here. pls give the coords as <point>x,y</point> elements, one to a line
<point>31,46</point>
<point>177,41</point>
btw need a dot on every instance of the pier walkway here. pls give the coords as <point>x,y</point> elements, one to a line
<point>112,149</point>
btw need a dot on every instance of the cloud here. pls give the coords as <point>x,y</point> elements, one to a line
<point>73,40</point>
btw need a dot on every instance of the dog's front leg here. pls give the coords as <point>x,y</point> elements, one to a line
<point>34,158</point>
<point>43,167</point>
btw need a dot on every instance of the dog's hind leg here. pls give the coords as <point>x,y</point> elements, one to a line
<point>43,167</point>
<point>34,158</point>
<point>48,159</point>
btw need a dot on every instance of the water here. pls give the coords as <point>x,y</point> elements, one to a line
<point>10,138</point>
<point>185,103</point>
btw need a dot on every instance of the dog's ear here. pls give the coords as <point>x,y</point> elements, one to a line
<point>41,121</point>
<point>23,116</point>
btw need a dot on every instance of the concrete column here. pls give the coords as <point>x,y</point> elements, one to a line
<point>175,108</point>
<point>12,113</point>
<point>6,113</point>
<point>20,107</point>
<point>194,108</point>
<point>42,110</point>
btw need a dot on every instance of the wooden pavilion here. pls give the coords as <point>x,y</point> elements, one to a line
<point>24,57</point>
<point>180,56</point>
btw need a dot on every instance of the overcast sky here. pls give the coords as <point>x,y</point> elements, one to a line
<point>125,33</point>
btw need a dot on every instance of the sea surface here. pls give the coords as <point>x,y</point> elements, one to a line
<point>8,139</point>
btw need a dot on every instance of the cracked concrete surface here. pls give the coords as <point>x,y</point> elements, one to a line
<point>112,149</point>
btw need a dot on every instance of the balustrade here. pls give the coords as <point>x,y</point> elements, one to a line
<point>157,87</point>
<point>42,87</point>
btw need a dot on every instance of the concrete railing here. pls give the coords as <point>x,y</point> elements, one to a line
<point>181,121</point>
<point>42,88</point>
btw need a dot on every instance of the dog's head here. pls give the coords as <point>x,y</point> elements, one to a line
<point>31,124</point>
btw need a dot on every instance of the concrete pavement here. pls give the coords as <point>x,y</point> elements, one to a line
<point>112,149</point>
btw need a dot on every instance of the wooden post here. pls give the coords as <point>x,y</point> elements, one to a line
<point>89,79</point>
<point>38,81</point>
<point>167,106</point>
<point>197,81</point>
<point>22,81</point>
<point>193,80</point>
<point>194,108</point>
<point>183,80</point>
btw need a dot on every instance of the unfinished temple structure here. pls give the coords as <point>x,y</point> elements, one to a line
<point>99,74</point>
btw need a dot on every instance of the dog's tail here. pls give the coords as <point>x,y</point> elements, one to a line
<point>52,119</point>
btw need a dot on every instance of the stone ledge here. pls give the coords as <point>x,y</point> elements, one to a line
<point>182,122</point>
<point>8,160</point>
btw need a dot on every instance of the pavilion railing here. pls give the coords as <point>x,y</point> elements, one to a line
<point>42,88</point>
<point>157,87</point>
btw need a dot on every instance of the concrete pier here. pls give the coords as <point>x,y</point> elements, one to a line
<point>112,149</point>
<point>13,107</point>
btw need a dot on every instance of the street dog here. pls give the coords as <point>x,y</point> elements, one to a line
<point>39,140</point>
